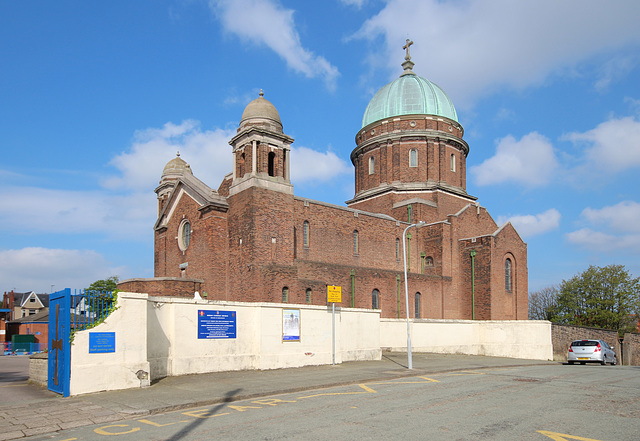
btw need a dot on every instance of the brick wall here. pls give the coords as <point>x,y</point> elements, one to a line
<point>163,286</point>
<point>563,335</point>
<point>631,349</point>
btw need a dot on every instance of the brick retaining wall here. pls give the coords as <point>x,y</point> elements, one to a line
<point>562,335</point>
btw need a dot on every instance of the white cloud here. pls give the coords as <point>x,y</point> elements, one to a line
<point>622,217</point>
<point>533,224</point>
<point>357,3</point>
<point>602,242</point>
<point>266,22</point>
<point>530,161</point>
<point>62,211</point>
<point>38,268</point>
<point>207,151</point>
<point>311,166</point>
<point>613,146</point>
<point>620,229</point>
<point>472,47</point>
<point>613,70</point>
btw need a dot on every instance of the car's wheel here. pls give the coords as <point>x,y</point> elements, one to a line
<point>604,360</point>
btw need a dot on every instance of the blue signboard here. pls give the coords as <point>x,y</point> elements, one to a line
<point>102,342</point>
<point>216,324</point>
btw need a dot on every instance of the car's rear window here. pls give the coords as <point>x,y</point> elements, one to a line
<point>584,343</point>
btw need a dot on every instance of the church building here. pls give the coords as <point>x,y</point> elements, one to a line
<point>253,240</point>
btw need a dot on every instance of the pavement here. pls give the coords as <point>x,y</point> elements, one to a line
<point>27,409</point>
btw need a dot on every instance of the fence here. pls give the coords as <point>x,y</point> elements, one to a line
<point>9,348</point>
<point>89,307</point>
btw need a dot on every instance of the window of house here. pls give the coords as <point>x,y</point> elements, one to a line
<point>453,162</point>
<point>285,294</point>
<point>184,235</point>
<point>375,299</point>
<point>356,248</point>
<point>413,158</point>
<point>418,306</point>
<point>308,295</point>
<point>372,165</point>
<point>305,234</point>
<point>32,300</point>
<point>507,275</point>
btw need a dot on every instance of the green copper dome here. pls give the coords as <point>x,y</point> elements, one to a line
<point>408,95</point>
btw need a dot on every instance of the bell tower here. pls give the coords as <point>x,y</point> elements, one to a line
<point>261,150</point>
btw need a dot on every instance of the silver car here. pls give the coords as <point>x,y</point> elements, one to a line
<point>591,351</point>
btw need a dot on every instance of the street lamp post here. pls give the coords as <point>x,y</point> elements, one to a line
<point>406,290</point>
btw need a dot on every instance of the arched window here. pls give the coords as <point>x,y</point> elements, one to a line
<point>272,164</point>
<point>308,295</point>
<point>372,165</point>
<point>418,306</point>
<point>453,162</point>
<point>305,234</point>
<point>184,235</point>
<point>356,247</point>
<point>285,294</point>
<point>413,158</point>
<point>507,275</point>
<point>428,261</point>
<point>397,248</point>
<point>375,299</point>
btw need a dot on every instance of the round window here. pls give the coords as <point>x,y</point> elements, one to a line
<point>184,235</point>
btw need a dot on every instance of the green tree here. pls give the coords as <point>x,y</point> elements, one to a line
<point>606,298</point>
<point>543,303</point>
<point>108,284</point>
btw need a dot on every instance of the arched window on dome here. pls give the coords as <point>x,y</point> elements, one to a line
<point>372,165</point>
<point>453,162</point>
<point>413,158</point>
<point>272,164</point>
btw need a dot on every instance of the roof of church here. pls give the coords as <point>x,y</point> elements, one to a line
<point>261,108</point>
<point>409,95</point>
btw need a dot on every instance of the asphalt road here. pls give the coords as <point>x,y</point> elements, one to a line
<point>546,402</point>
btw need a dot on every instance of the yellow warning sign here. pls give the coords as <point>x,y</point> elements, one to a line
<point>334,294</point>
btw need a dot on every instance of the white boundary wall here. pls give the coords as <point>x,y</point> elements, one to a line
<point>158,336</point>
<point>527,339</point>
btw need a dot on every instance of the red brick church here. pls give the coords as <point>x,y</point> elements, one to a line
<point>253,240</point>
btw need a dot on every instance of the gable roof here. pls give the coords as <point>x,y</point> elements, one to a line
<point>200,192</point>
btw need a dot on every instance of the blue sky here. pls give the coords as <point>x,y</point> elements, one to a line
<point>96,97</point>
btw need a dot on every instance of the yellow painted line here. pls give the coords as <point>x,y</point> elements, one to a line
<point>271,401</point>
<point>429,380</point>
<point>367,389</point>
<point>101,431</point>
<point>243,408</point>
<point>161,425</point>
<point>563,437</point>
<point>69,439</point>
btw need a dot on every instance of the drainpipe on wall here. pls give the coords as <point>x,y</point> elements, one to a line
<point>353,288</point>
<point>398,294</point>
<point>473,284</point>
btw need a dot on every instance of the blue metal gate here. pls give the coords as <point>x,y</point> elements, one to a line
<point>71,312</point>
<point>59,369</point>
